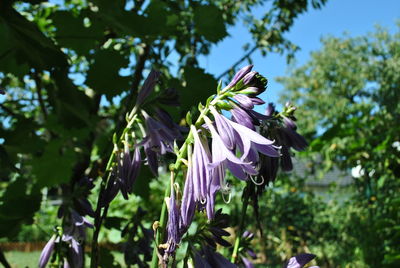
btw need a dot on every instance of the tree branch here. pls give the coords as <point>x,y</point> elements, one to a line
<point>38,83</point>
<point>248,54</point>
<point>7,110</point>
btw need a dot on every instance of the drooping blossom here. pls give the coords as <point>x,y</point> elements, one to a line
<point>111,190</point>
<point>287,137</point>
<point>217,182</point>
<point>300,260</point>
<point>158,141</point>
<point>247,263</point>
<point>46,252</point>
<point>221,155</point>
<point>173,232</point>
<point>248,141</point>
<point>148,86</point>
<point>188,204</point>
<point>201,175</point>
<point>128,168</point>
<point>74,233</point>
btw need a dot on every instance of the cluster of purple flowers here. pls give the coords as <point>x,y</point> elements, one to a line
<point>284,131</point>
<point>242,144</point>
<point>72,235</point>
<point>235,145</point>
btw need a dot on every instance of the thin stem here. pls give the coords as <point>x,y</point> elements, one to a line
<point>100,214</point>
<point>162,225</point>
<point>38,83</point>
<point>97,226</point>
<point>241,225</point>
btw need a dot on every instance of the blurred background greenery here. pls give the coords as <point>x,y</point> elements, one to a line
<point>70,70</point>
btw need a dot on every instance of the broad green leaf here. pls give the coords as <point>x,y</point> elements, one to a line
<point>103,74</point>
<point>71,32</point>
<point>30,44</point>
<point>55,165</point>
<point>209,22</point>
<point>199,86</point>
<point>18,205</point>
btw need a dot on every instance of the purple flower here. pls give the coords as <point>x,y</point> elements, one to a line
<point>247,263</point>
<point>300,260</point>
<point>221,155</point>
<point>217,181</point>
<point>66,264</point>
<point>111,191</point>
<point>172,225</point>
<point>46,252</point>
<point>246,137</point>
<point>201,174</point>
<point>148,86</point>
<point>239,75</point>
<point>188,204</point>
<point>159,141</point>
<point>241,116</point>
<point>128,169</point>
<point>79,220</point>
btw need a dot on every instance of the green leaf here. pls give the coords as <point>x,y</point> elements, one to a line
<point>209,22</point>
<point>29,44</point>
<point>71,32</point>
<point>18,206</point>
<point>55,165</point>
<point>103,74</point>
<point>199,86</point>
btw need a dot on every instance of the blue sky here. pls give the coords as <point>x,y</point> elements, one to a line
<point>356,17</point>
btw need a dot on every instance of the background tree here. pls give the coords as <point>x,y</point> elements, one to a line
<point>349,95</point>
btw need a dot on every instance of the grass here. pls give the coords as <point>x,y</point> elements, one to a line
<point>19,259</point>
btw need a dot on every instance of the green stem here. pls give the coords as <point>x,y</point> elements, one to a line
<point>241,225</point>
<point>100,214</point>
<point>162,224</point>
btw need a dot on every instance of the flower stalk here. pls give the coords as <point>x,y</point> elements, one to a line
<point>241,226</point>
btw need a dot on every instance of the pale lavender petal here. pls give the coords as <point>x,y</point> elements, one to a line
<point>188,204</point>
<point>249,77</point>
<point>250,134</point>
<point>225,130</point>
<point>237,171</point>
<point>46,252</point>
<point>240,116</point>
<point>66,264</point>
<point>257,101</point>
<point>267,150</point>
<point>300,260</point>
<point>218,175</point>
<point>244,101</point>
<point>247,263</point>
<point>239,75</point>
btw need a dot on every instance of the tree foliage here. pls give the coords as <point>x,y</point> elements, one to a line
<point>350,98</point>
